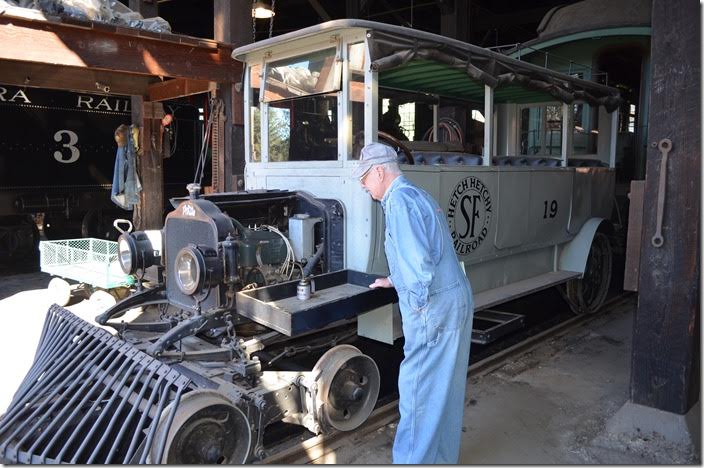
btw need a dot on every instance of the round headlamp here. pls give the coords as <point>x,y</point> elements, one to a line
<point>189,266</point>
<point>135,251</point>
<point>127,253</point>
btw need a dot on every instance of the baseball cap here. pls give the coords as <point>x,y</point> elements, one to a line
<point>373,154</point>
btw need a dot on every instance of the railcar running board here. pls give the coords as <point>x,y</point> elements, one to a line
<point>492,297</point>
<point>89,397</point>
<point>490,325</point>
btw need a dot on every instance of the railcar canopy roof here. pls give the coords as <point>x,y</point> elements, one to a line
<point>429,63</point>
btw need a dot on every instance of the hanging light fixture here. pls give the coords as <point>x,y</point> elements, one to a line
<point>262,10</point>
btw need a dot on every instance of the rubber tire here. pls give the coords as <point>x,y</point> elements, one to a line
<point>600,273</point>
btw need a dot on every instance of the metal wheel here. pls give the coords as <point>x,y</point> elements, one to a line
<point>348,387</point>
<point>207,428</point>
<point>587,294</point>
<point>19,239</point>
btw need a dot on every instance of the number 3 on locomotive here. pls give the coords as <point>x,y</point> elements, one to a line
<point>74,153</point>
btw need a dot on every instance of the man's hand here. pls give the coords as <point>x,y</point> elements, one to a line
<point>381,283</point>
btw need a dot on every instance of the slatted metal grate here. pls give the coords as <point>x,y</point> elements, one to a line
<point>89,397</point>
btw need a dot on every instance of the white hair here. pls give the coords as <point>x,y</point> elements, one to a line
<point>391,168</point>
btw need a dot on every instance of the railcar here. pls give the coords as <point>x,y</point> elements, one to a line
<point>245,282</point>
<point>57,155</point>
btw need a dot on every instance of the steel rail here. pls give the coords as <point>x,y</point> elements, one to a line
<point>316,447</point>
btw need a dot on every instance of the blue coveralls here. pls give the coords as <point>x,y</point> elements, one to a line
<point>437,308</point>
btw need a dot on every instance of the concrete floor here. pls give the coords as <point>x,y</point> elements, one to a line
<point>549,406</point>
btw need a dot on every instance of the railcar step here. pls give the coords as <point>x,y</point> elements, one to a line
<point>490,325</point>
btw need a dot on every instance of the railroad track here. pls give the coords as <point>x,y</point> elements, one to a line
<point>317,447</point>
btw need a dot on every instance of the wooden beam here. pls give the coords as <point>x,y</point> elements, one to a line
<point>72,78</point>
<point>179,87</point>
<point>455,19</point>
<point>98,46</point>
<point>666,340</point>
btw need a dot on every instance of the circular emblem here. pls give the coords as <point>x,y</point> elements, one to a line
<point>469,213</point>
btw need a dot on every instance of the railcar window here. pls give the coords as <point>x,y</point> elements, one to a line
<point>316,73</point>
<point>541,130</point>
<point>303,129</point>
<point>405,115</point>
<point>586,129</point>
<point>553,130</point>
<point>531,130</point>
<point>255,123</point>
<point>356,68</point>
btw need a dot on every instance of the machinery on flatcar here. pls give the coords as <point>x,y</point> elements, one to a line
<point>57,155</point>
<point>246,282</point>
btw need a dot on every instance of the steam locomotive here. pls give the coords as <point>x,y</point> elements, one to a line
<point>57,155</point>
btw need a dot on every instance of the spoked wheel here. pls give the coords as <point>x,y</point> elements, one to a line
<point>207,428</point>
<point>587,294</point>
<point>348,387</point>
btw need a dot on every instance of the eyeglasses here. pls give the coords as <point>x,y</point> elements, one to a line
<point>364,176</point>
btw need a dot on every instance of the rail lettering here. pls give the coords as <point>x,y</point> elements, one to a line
<point>19,95</point>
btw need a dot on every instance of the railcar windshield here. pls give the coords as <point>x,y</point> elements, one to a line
<point>314,73</point>
<point>297,98</point>
<point>303,129</point>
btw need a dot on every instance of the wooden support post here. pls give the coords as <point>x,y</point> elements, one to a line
<point>666,339</point>
<point>149,214</point>
<point>352,8</point>
<point>455,19</point>
<point>233,25</point>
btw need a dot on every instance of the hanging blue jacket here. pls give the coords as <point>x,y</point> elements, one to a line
<point>436,306</point>
<point>125,181</point>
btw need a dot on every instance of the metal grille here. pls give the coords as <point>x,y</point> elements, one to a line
<point>178,233</point>
<point>89,398</point>
<point>91,261</point>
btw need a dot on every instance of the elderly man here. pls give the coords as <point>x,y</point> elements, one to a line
<point>436,305</point>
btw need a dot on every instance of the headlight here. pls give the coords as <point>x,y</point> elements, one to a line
<point>189,268</point>
<point>126,253</point>
<point>136,252</point>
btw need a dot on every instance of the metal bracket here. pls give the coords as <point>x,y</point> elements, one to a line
<point>665,146</point>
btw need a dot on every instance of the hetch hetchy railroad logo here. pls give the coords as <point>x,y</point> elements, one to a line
<point>469,213</point>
